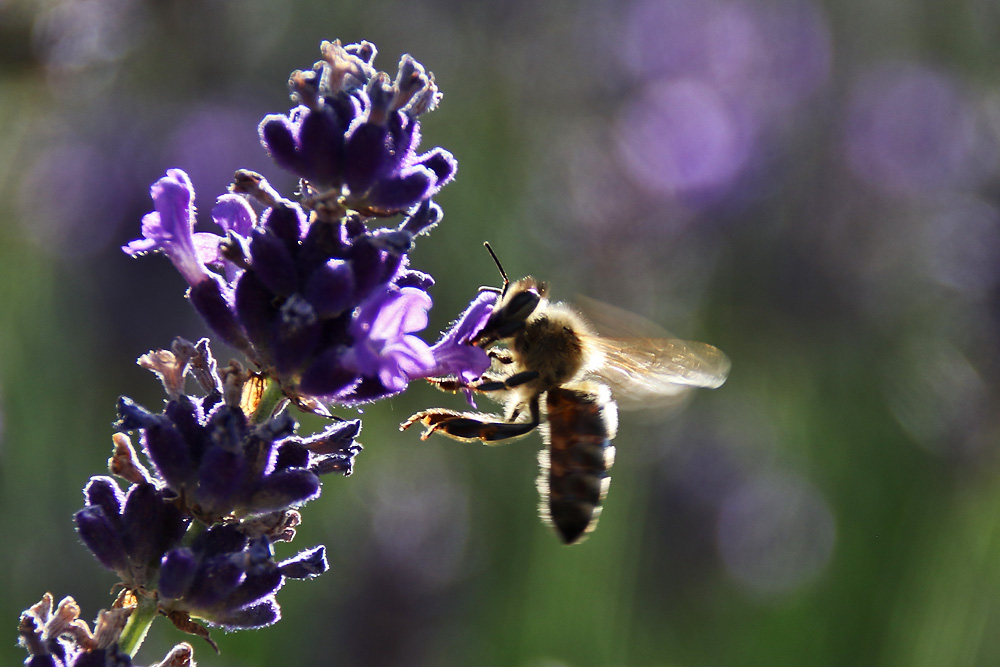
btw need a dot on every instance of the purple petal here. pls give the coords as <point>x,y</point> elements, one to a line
<point>405,312</point>
<point>404,360</point>
<point>284,489</point>
<point>402,192</point>
<point>328,375</point>
<point>278,134</point>
<point>367,157</point>
<point>103,492</point>
<point>442,163</point>
<point>219,477</point>
<point>383,347</point>
<point>212,298</point>
<point>170,227</point>
<point>259,615</point>
<point>150,526</point>
<point>330,288</point>
<point>454,354</point>
<point>101,536</point>
<point>273,262</point>
<point>472,321</point>
<point>177,572</point>
<point>233,214</point>
<point>206,248</point>
<point>306,565</point>
<point>321,146</point>
<point>422,218</point>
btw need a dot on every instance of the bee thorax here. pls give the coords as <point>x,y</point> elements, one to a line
<point>550,345</point>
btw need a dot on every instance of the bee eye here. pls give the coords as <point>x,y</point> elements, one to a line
<point>521,305</point>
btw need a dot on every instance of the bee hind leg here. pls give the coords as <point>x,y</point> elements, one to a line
<point>467,425</point>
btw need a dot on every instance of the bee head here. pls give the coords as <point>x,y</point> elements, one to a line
<point>517,302</point>
<point>520,298</point>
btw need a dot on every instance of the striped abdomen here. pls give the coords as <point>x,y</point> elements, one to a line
<point>574,468</point>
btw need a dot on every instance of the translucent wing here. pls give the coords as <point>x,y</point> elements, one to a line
<point>641,369</point>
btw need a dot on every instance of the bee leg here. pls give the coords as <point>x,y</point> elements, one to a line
<point>448,384</point>
<point>487,384</point>
<point>503,384</point>
<point>467,425</point>
<point>472,425</point>
<point>455,385</point>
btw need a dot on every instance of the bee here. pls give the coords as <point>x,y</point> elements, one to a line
<point>554,372</point>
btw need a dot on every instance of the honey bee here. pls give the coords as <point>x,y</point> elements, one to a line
<point>555,372</point>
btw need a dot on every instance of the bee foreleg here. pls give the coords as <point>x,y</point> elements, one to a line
<point>488,382</point>
<point>503,384</point>
<point>448,384</point>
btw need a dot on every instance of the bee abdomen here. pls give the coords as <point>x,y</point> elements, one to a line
<point>574,469</point>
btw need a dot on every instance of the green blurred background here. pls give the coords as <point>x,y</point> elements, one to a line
<point>810,186</point>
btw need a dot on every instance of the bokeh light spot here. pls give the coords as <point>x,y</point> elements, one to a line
<point>775,533</point>
<point>680,137</point>
<point>910,131</point>
<point>70,202</point>
<point>937,395</point>
<point>962,246</point>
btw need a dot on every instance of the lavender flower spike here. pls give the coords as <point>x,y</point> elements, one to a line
<point>170,228</point>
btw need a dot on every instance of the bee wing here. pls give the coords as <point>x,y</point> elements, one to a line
<point>648,369</point>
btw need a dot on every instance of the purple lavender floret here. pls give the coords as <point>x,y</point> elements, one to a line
<point>129,533</point>
<point>353,139</point>
<point>56,636</point>
<point>207,454</point>
<point>229,579</point>
<point>170,227</point>
<point>210,455</point>
<point>385,346</point>
<point>454,354</point>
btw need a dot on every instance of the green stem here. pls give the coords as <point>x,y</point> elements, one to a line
<point>138,624</point>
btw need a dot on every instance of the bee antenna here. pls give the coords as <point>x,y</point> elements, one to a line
<point>496,260</point>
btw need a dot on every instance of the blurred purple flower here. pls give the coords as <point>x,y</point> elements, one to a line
<point>910,130</point>
<point>775,533</point>
<point>682,138</point>
<point>717,78</point>
<point>764,56</point>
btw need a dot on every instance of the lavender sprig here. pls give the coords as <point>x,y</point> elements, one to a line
<point>319,297</point>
